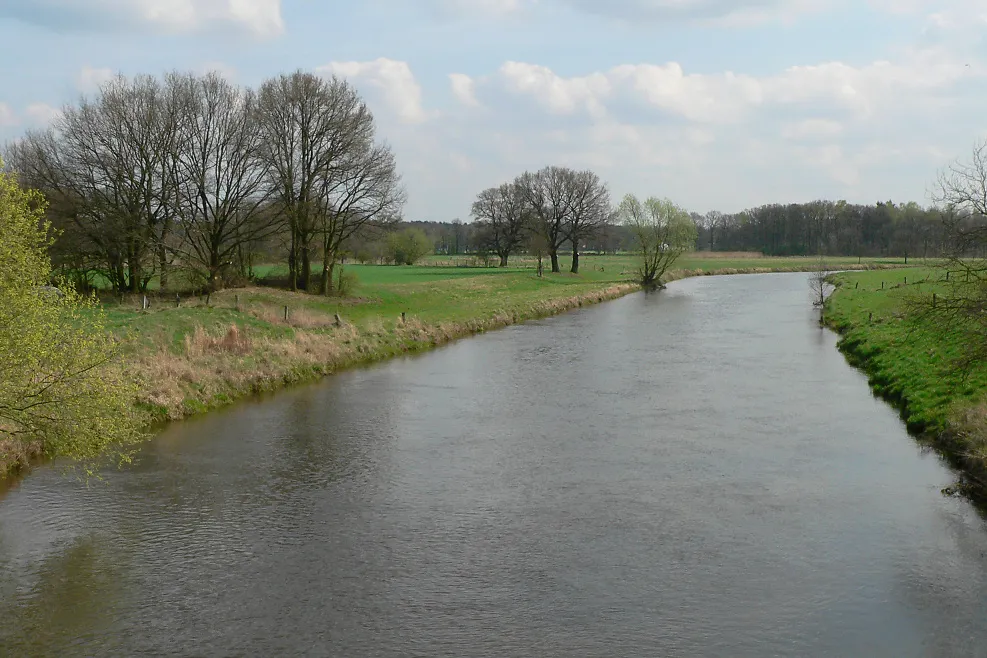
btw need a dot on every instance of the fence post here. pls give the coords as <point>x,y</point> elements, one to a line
<point>285,313</point>
<point>144,303</point>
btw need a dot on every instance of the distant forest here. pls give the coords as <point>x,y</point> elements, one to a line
<point>797,229</point>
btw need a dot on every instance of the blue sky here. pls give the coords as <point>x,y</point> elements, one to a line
<point>717,104</point>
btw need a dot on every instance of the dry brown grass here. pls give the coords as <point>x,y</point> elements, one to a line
<point>214,369</point>
<point>16,455</point>
<point>234,341</point>
<point>969,429</point>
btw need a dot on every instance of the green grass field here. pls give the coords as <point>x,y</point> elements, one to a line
<point>433,292</point>
<point>910,361</point>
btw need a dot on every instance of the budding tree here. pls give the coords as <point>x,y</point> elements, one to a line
<point>663,232</point>
<point>59,393</point>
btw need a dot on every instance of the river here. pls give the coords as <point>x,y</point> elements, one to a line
<point>691,473</point>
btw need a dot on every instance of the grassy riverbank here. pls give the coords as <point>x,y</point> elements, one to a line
<point>200,354</point>
<point>912,364</point>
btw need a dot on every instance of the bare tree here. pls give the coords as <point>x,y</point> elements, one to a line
<point>589,209</point>
<point>501,213</point>
<point>712,221</point>
<point>219,173</point>
<point>104,166</point>
<point>663,232</point>
<point>960,306</point>
<point>819,287</point>
<point>364,188</point>
<point>298,128</point>
<point>548,195</point>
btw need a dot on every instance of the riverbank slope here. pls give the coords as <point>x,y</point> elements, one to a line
<point>193,355</point>
<point>912,364</point>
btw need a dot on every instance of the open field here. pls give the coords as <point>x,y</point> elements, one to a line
<point>191,356</point>
<point>911,363</point>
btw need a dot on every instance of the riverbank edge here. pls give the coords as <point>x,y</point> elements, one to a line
<point>411,338</point>
<point>956,439</point>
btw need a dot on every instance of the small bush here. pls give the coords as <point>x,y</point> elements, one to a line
<point>407,247</point>
<point>346,282</point>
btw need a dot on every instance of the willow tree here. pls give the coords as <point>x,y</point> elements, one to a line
<point>61,395</point>
<point>663,232</point>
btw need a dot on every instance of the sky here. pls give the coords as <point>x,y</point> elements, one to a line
<point>716,104</point>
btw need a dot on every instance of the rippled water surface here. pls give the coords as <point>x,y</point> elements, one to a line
<point>691,473</point>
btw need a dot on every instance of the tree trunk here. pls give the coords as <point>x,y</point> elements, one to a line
<point>134,272</point>
<point>293,261</point>
<point>503,260</point>
<point>306,268</point>
<point>163,265</point>
<point>328,265</point>
<point>575,258</point>
<point>555,261</point>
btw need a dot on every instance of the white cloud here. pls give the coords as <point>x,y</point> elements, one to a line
<point>393,79</point>
<point>41,114</point>
<point>222,68</point>
<point>463,88</point>
<point>558,95</point>
<point>482,7</point>
<point>646,10</point>
<point>90,79</point>
<point>8,117</point>
<point>811,129</point>
<point>863,92</point>
<point>261,18</point>
<point>828,130</point>
<point>705,98</point>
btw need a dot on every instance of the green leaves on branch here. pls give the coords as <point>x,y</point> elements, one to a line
<point>663,232</point>
<point>59,394</point>
<point>408,246</point>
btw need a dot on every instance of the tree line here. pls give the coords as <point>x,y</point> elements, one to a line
<point>828,228</point>
<point>191,174</point>
<point>831,228</point>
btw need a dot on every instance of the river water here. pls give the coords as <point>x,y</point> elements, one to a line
<point>691,473</point>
